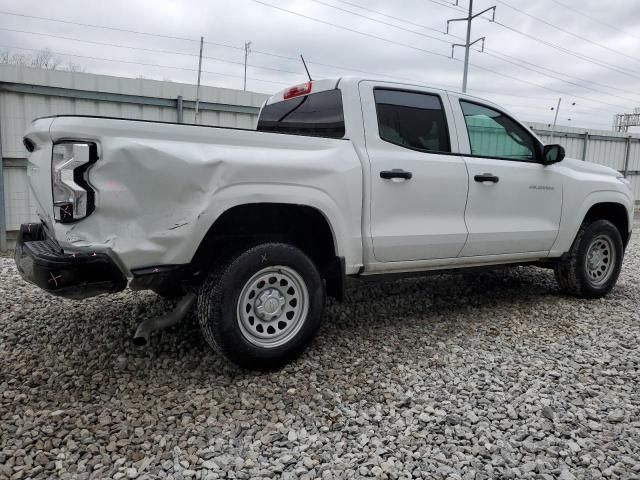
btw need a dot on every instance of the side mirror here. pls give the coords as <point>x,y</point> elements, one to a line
<point>552,154</point>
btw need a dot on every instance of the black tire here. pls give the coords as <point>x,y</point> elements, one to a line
<point>572,272</point>
<point>220,318</point>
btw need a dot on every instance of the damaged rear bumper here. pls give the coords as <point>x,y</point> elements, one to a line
<point>41,261</point>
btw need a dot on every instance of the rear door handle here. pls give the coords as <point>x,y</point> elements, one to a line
<point>486,177</point>
<point>396,173</point>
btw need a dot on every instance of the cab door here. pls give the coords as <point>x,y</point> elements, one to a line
<point>514,201</point>
<point>418,187</point>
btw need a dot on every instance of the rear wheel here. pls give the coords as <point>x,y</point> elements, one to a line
<point>262,307</point>
<point>593,264</point>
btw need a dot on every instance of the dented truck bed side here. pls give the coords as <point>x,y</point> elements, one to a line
<point>161,186</point>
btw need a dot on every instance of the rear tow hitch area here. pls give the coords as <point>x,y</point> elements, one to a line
<point>144,330</point>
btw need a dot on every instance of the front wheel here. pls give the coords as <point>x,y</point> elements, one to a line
<point>262,307</point>
<point>592,266</point>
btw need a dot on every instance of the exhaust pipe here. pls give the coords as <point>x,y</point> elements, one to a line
<point>141,337</point>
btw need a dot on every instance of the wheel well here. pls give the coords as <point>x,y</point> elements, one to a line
<point>616,213</point>
<point>302,226</point>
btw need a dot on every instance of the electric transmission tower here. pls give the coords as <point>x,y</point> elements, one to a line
<point>469,18</point>
<point>622,121</point>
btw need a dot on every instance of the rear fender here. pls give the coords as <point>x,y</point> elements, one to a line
<point>237,195</point>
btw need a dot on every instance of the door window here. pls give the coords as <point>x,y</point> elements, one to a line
<point>412,120</point>
<point>493,134</point>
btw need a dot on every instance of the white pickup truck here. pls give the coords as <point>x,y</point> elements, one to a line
<point>342,177</point>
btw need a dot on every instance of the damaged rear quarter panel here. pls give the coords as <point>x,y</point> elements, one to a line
<point>160,187</point>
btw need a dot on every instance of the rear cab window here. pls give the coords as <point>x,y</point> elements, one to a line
<point>319,114</point>
<point>413,120</point>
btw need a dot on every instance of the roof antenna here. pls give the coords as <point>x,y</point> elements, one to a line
<point>305,67</point>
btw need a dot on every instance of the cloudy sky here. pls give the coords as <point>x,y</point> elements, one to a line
<point>585,51</point>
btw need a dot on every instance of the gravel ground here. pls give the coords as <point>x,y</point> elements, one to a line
<point>492,375</point>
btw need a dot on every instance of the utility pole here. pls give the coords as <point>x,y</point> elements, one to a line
<point>247,50</point>
<point>467,45</point>
<point>198,85</point>
<point>555,117</point>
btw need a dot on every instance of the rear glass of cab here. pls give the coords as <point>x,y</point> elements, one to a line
<point>317,114</point>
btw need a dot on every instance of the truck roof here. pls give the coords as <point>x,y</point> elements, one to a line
<point>333,82</point>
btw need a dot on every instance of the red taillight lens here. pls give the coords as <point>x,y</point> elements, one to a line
<point>296,91</point>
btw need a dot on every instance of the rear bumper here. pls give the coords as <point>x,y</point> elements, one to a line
<point>41,261</point>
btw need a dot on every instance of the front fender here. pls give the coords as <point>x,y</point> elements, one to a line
<point>574,215</point>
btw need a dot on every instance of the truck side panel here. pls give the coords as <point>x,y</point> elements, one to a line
<point>159,187</point>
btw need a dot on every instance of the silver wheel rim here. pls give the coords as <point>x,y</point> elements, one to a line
<point>272,306</point>
<point>600,260</point>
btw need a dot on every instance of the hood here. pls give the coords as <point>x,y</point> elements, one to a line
<point>589,167</point>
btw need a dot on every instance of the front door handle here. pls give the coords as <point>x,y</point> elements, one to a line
<point>396,173</point>
<point>486,177</point>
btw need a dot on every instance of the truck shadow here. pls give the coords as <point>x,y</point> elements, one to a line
<point>431,308</point>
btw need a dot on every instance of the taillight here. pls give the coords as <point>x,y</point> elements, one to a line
<point>73,197</point>
<point>296,91</point>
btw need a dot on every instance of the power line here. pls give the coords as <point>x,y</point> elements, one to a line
<point>235,47</point>
<point>559,78</point>
<point>130,47</point>
<point>338,67</point>
<point>604,85</point>
<point>573,53</point>
<point>125,30</point>
<point>434,53</point>
<point>583,57</point>
<point>234,62</point>
<point>490,54</point>
<point>495,55</point>
<point>224,45</point>
<point>370,35</point>
<point>585,39</point>
<point>68,22</point>
<point>486,49</point>
<point>143,64</point>
<point>597,20</point>
<point>528,107</point>
<point>448,5</point>
<point>546,109</point>
<point>377,12</point>
<point>381,21</point>
<point>548,88</point>
<point>558,47</point>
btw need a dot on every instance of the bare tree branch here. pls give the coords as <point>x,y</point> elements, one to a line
<point>44,59</point>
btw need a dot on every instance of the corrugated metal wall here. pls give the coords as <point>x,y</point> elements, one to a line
<point>27,93</point>
<point>20,207</point>
<point>602,147</point>
<point>616,150</point>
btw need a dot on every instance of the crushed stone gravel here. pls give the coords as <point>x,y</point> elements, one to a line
<point>477,376</point>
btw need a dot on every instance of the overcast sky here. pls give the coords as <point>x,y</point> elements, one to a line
<point>607,82</point>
